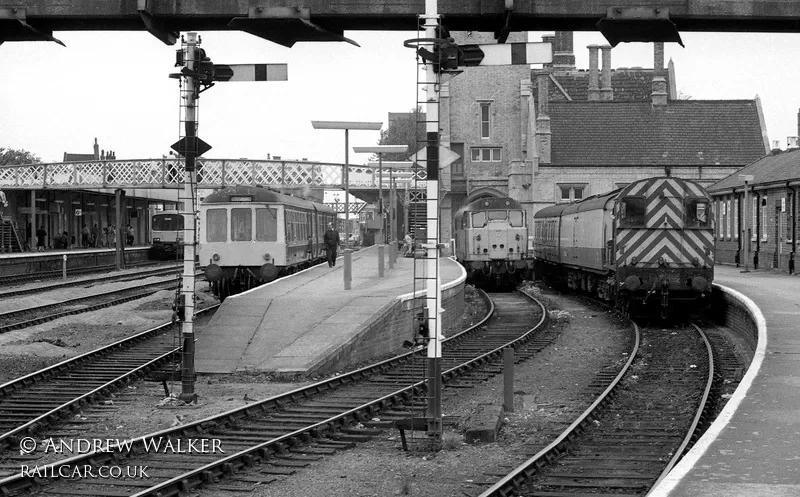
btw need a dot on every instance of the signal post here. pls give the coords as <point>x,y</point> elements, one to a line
<point>198,74</point>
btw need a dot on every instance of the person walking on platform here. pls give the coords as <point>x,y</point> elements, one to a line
<point>95,236</point>
<point>408,245</point>
<point>331,244</point>
<point>85,236</point>
<point>40,235</point>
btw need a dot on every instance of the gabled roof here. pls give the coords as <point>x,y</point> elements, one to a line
<point>681,133</point>
<point>784,166</point>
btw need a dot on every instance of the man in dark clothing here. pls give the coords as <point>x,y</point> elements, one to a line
<point>331,244</point>
<point>40,235</point>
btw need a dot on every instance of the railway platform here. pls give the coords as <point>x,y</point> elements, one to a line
<point>307,323</point>
<point>751,449</point>
<point>16,264</point>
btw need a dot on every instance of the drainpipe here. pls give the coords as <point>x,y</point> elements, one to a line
<point>794,228</point>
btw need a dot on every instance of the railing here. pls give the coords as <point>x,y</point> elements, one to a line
<point>211,173</point>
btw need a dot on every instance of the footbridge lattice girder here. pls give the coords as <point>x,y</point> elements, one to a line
<point>212,173</point>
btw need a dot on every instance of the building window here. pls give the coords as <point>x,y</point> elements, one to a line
<point>728,219</point>
<point>457,167</point>
<point>571,193</point>
<point>764,219</point>
<point>754,225</point>
<point>721,221</point>
<point>487,154</point>
<point>736,218</point>
<point>485,119</point>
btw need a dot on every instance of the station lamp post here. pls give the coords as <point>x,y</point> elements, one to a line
<point>747,178</point>
<point>380,150</point>
<point>347,126</point>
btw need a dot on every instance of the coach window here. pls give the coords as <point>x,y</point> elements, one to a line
<point>266,225</point>
<point>632,211</point>
<point>697,215</point>
<point>478,219</point>
<point>241,225</point>
<point>515,218</point>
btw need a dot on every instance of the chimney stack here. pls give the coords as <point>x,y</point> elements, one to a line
<point>659,94</point>
<point>606,92</point>
<point>96,150</point>
<point>658,57</point>
<point>563,55</point>
<point>594,83</point>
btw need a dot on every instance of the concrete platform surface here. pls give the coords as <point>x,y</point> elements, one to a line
<point>753,448</point>
<point>293,324</point>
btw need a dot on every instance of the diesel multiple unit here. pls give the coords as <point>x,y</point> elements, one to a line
<point>249,236</point>
<point>651,242</point>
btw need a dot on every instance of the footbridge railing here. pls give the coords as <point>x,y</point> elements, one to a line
<point>211,173</point>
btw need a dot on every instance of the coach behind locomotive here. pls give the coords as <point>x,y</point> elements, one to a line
<point>492,239</point>
<point>653,239</point>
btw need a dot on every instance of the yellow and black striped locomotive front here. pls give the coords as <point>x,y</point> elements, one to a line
<point>491,239</point>
<point>664,241</point>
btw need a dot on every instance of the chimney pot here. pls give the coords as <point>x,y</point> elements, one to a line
<point>659,94</point>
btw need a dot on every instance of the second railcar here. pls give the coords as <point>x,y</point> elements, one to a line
<point>167,233</point>
<point>250,236</point>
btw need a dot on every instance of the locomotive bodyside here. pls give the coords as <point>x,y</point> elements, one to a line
<point>250,236</point>
<point>491,240</point>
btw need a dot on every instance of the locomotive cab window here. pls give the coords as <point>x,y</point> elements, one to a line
<point>498,215</point>
<point>697,213</point>
<point>478,219</point>
<point>632,211</point>
<point>515,218</point>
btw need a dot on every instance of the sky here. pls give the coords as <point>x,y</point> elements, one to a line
<point>115,86</point>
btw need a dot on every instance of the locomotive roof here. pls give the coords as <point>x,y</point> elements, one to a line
<point>263,195</point>
<point>490,203</point>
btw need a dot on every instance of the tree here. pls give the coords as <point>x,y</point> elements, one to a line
<point>10,156</point>
<point>405,128</point>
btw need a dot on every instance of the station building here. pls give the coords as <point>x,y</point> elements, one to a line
<point>560,134</point>
<point>59,211</point>
<point>770,219</point>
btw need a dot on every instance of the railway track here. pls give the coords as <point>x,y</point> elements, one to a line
<point>627,440</point>
<point>31,404</point>
<point>23,318</point>
<point>15,279</point>
<point>288,430</point>
<point>98,279</point>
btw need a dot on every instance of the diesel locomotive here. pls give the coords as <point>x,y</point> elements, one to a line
<point>649,243</point>
<point>250,236</point>
<point>491,237</point>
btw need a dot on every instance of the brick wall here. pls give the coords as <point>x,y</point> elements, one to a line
<point>390,327</point>
<point>732,312</point>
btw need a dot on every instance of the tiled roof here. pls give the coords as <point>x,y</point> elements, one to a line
<point>628,84</point>
<point>784,166</point>
<point>682,133</point>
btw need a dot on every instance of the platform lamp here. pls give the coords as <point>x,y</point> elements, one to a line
<point>347,126</point>
<point>747,178</point>
<point>380,150</point>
